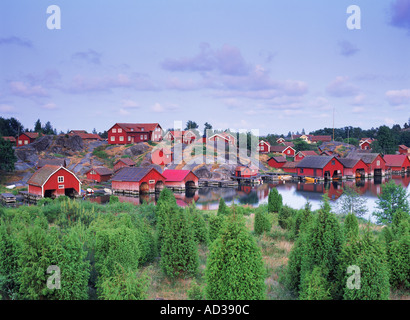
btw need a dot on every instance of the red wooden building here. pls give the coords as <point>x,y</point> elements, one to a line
<point>84,135</point>
<point>126,133</point>
<point>280,140</point>
<point>277,162</point>
<point>376,165</point>
<point>53,181</point>
<point>354,168</point>
<point>161,156</point>
<point>246,171</point>
<point>397,163</point>
<point>123,162</point>
<point>180,179</point>
<point>287,151</point>
<point>223,136</point>
<point>322,167</point>
<point>264,146</point>
<point>137,180</point>
<point>186,136</point>
<point>290,167</point>
<point>402,149</point>
<point>99,174</point>
<point>26,138</point>
<point>301,154</point>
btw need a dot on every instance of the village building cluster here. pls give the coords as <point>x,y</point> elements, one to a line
<point>52,178</point>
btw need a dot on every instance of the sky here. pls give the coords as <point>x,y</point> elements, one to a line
<point>268,66</point>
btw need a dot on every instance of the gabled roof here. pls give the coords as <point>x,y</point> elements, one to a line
<point>12,139</point>
<point>308,153</point>
<point>102,171</point>
<point>402,146</point>
<point>264,142</point>
<point>175,175</point>
<point>41,176</point>
<point>349,162</point>
<point>395,160</point>
<point>279,149</point>
<point>288,143</point>
<point>315,162</point>
<point>366,157</point>
<point>320,138</point>
<point>31,135</point>
<point>126,161</point>
<point>138,127</point>
<point>279,159</point>
<point>132,174</point>
<point>84,135</point>
<point>290,164</point>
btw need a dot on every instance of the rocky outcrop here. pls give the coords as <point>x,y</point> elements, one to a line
<point>136,149</point>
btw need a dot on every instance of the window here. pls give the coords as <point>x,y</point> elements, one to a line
<point>146,137</point>
<point>114,130</point>
<point>129,138</point>
<point>142,137</point>
<point>288,151</point>
<point>378,162</point>
<point>301,170</point>
<point>20,141</point>
<point>333,162</point>
<point>119,130</point>
<point>151,181</point>
<point>61,186</point>
<point>60,179</point>
<point>112,138</point>
<point>121,138</point>
<point>25,142</point>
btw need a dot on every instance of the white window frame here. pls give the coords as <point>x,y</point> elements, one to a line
<point>112,138</point>
<point>61,186</point>
<point>151,181</point>
<point>60,179</point>
<point>121,138</point>
<point>119,130</point>
<point>114,130</point>
<point>129,138</point>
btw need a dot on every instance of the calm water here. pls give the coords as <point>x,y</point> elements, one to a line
<point>294,194</point>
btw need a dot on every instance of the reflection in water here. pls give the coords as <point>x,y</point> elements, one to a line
<point>294,194</point>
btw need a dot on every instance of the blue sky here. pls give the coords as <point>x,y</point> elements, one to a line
<point>275,66</point>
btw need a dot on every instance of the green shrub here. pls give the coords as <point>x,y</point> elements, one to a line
<point>274,201</point>
<point>262,223</point>
<point>315,286</point>
<point>195,292</point>
<point>285,217</point>
<point>215,224</point>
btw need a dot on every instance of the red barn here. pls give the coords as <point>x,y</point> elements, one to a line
<point>26,138</point>
<point>277,162</point>
<point>323,167</point>
<point>161,156</point>
<point>53,181</point>
<point>376,165</point>
<point>402,149</point>
<point>137,180</point>
<point>398,163</point>
<point>125,133</point>
<point>354,168</point>
<point>301,154</point>
<point>264,146</point>
<point>180,179</point>
<point>123,162</point>
<point>246,171</point>
<point>99,174</point>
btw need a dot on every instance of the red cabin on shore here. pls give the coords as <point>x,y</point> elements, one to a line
<point>53,181</point>
<point>264,146</point>
<point>99,174</point>
<point>301,154</point>
<point>277,162</point>
<point>397,163</point>
<point>180,179</point>
<point>402,149</point>
<point>137,180</point>
<point>26,138</point>
<point>324,167</point>
<point>246,171</point>
<point>123,162</point>
<point>354,167</point>
<point>376,165</point>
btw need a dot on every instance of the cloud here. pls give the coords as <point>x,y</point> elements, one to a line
<point>23,89</point>
<point>340,87</point>
<point>49,106</point>
<point>7,109</point>
<point>347,49</point>
<point>398,97</point>
<point>127,103</point>
<point>16,41</point>
<point>400,14</point>
<point>159,108</point>
<point>227,60</point>
<point>81,84</point>
<point>89,56</point>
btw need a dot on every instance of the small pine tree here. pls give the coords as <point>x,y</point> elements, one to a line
<point>165,204</point>
<point>222,208</point>
<point>285,217</point>
<point>261,222</point>
<point>315,286</point>
<point>179,252</point>
<point>351,226</point>
<point>200,229</point>
<point>215,223</point>
<point>274,200</point>
<point>302,219</point>
<point>235,269</point>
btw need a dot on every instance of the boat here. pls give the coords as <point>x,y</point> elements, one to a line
<point>285,177</point>
<point>89,190</point>
<point>310,179</point>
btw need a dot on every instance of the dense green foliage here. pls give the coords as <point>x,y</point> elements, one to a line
<point>235,268</point>
<point>7,156</point>
<point>262,222</point>
<point>274,201</point>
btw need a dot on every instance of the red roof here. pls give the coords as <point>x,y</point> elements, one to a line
<point>83,135</point>
<point>308,153</point>
<point>127,161</point>
<point>175,175</point>
<point>402,146</point>
<point>12,139</point>
<point>40,177</point>
<point>394,160</point>
<point>31,135</point>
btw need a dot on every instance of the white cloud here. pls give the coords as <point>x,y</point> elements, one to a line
<point>26,90</point>
<point>398,97</point>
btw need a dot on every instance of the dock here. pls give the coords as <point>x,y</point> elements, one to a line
<point>8,198</point>
<point>218,183</point>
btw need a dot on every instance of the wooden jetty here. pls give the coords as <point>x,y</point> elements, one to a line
<point>218,183</point>
<point>8,198</point>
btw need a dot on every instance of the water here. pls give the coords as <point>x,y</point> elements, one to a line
<point>293,194</point>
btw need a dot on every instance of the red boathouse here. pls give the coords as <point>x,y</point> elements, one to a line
<point>136,180</point>
<point>322,167</point>
<point>53,181</point>
<point>99,174</point>
<point>180,179</point>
